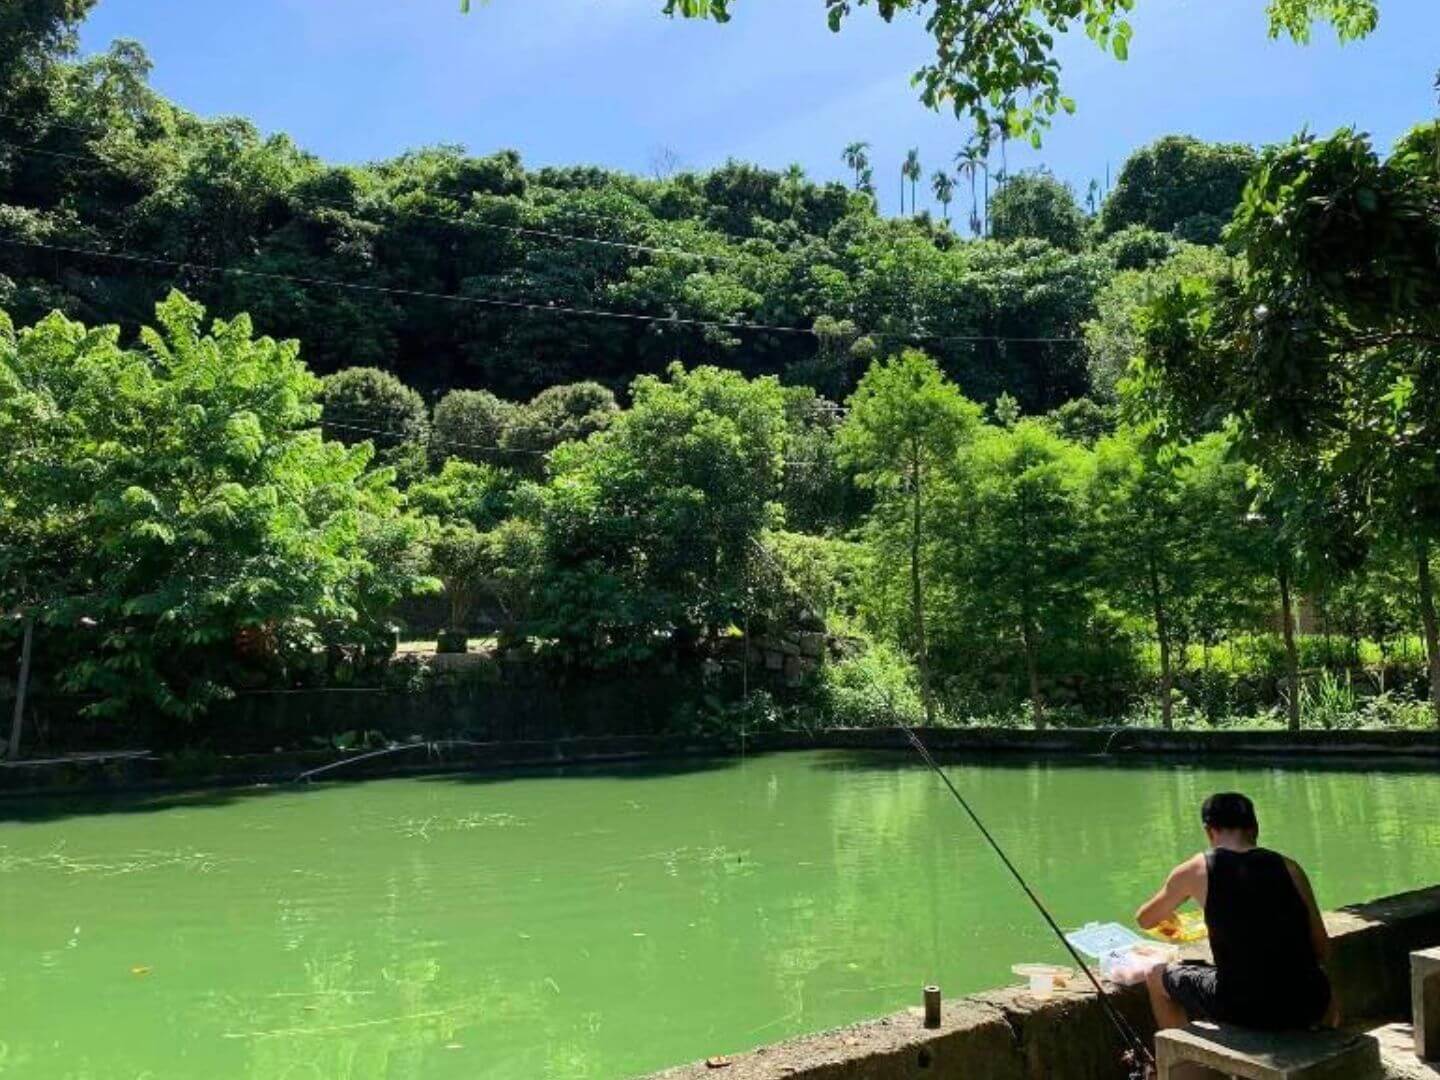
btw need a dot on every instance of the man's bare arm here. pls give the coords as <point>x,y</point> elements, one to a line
<point>1181,885</point>
<point>1319,936</point>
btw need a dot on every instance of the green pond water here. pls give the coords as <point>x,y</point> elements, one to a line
<point>596,923</point>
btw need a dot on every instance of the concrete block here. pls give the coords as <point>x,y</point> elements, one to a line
<point>1425,1001</point>
<point>1397,1054</point>
<point>1210,1052</point>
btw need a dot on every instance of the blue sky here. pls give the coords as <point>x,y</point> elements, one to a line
<point>610,81</point>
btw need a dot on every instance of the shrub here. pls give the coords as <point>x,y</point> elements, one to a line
<point>871,689</point>
<point>470,424</point>
<point>363,404</point>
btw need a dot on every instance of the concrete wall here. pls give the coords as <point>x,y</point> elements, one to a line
<point>1007,1035</point>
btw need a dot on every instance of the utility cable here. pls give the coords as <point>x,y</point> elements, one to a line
<point>528,306</point>
<point>912,336</point>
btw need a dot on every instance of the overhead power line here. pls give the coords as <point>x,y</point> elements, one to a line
<point>528,306</point>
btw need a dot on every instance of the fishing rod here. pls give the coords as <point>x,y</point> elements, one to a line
<point>1135,1044</point>
<point>429,747</point>
<point>1138,1055</point>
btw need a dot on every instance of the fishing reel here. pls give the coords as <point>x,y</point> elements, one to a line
<point>1138,1065</point>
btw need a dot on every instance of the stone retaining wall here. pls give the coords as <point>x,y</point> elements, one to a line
<point>1008,1035</point>
<point>494,746</point>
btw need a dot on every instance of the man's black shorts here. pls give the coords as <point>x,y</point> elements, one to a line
<point>1297,1004</point>
<point>1192,985</point>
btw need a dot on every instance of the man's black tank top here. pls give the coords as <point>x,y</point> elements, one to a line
<point>1268,974</point>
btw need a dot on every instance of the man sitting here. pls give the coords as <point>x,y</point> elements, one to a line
<point>1266,933</point>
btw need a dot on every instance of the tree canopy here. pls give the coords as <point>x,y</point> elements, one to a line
<point>160,501</point>
<point>996,63</point>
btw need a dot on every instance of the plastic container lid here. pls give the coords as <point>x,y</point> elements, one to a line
<point>1097,940</point>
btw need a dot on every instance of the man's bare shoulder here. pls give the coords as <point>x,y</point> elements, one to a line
<point>1193,865</point>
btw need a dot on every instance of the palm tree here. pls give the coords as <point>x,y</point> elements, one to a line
<point>1092,197</point>
<point>911,171</point>
<point>968,162</point>
<point>1003,131</point>
<point>866,182</point>
<point>944,189</point>
<point>793,184</point>
<point>857,157</point>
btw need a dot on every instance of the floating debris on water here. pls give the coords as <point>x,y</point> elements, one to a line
<point>108,865</point>
<point>424,828</point>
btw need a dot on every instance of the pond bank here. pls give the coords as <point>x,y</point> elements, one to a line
<point>1009,1035</point>
<point>198,770</point>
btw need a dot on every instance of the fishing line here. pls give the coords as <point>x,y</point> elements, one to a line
<point>1122,1025</point>
<point>430,747</point>
<point>1138,1050</point>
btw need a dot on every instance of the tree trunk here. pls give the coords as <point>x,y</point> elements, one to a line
<point>1032,672</point>
<point>1162,635</point>
<point>1427,616</point>
<point>1292,657</point>
<point>917,602</point>
<point>17,724</point>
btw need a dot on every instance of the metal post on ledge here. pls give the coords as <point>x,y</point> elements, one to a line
<point>932,1006</point>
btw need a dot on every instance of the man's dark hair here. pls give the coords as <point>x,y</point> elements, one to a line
<point>1229,810</point>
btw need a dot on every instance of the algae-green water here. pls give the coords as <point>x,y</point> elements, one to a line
<point>596,923</point>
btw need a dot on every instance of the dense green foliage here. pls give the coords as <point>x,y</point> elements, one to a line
<point>462,273</point>
<point>1037,205</point>
<point>1321,350</point>
<point>170,507</point>
<point>1180,185</point>
<point>1150,520</point>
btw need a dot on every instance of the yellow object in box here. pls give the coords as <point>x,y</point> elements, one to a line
<point>1182,929</point>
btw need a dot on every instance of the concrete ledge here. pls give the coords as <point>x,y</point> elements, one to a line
<point>1205,1050</point>
<point>1118,742</point>
<point>1005,1034</point>
<point>201,769</point>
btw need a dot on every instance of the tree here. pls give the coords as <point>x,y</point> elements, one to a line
<point>651,525</point>
<point>471,424</point>
<point>1324,351</point>
<point>1180,185</point>
<point>369,405</point>
<point>943,188</point>
<point>192,500</point>
<point>1115,336</point>
<point>465,493</point>
<point>1035,204</point>
<point>968,162</point>
<point>569,413</point>
<point>1020,544</point>
<point>911,171</point>
<point>459,557</point>
<point>906,423</point>
<point>33,33</point>
<point>1138,248</point>
<point>997,64</point>
<point>1139,509</point>
<point>857,157</point>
